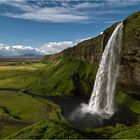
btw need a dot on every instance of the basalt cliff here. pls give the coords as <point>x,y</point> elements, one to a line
<point>90,51</point>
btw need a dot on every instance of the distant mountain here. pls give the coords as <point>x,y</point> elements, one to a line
<point>30,55</point>
<point>24,56</point>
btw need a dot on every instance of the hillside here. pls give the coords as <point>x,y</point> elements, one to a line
<point>90,51</point>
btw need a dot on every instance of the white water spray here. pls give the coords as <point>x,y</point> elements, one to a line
<point>101,102</point>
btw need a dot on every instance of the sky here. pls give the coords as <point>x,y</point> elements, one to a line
<point>49,26</point>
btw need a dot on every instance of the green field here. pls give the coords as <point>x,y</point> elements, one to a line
<point>18,110</point>
<point>27,116</point>
<point>48,130</point>
<point>23,107</point>
<point>20,77</point>
<point>44,78</point>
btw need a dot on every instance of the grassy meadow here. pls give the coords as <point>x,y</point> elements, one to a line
<point>34,117</point>
<point>18,110</point>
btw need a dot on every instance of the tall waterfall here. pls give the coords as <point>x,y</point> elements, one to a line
<point>102,98</point>
<point>101,104</point>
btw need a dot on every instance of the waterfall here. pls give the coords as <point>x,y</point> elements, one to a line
<point>101,104</point>
<point>102,98</point>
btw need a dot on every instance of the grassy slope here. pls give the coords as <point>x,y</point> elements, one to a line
<point>8,129</point>
<point>23,108</point>
<point>129,101</point>
<point>119,131</point>
<point>47,130</point>
<point>62,77</point>
<point>131,28</point>
<point>52,129</point>
<point>65,77</point>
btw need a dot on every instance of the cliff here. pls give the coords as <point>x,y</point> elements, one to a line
<point>90,51</point>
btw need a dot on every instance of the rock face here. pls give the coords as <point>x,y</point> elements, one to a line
<point>130,64</point>
<point>91,50</point>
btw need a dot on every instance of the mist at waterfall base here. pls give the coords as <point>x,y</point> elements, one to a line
<point>101,104</point>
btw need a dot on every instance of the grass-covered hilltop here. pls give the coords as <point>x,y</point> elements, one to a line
<point>34,96</point>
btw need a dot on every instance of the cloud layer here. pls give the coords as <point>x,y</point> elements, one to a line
<point>55,47</point>
<point>47,48</point>
<point>62,11</point>
<point>19,50</point>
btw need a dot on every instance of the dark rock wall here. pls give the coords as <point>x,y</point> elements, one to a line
<point>130,59</point>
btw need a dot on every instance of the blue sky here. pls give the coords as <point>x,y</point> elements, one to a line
<point>53,25</point>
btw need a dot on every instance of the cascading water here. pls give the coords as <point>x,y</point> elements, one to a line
<point>102,97</point>
<point>101,103</point>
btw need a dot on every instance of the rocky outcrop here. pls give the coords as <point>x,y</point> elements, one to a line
<point>91,50</point>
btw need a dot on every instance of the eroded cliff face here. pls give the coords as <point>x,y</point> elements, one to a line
<point>91,51</point>
<point>130,59</point>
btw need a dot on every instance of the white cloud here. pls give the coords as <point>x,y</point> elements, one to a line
<point>36,12</point>
<point>85,5</point>
<point>62,15</point>
<point>101,33</point>
<point>122,3</point>
<point>83,39</point>
<point>63,11</point>
<point>47,48</point>
<point>55,47</point>
<point>21,4</point>
<point>19,50</point>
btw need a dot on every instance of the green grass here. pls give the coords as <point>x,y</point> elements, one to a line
<point>132,22</point>
<point>63,77</point>
<point>66,78</point>
<point>60,78</point>
<point>23,108</point>
<point>5,113</point>
<point>129,101</point>
<point>119,131</point>
<point>56,130</point>
<point>21,76</point>
<point>8,129</point>
<point>47,130</point>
